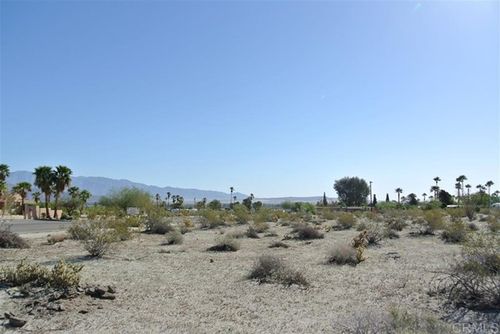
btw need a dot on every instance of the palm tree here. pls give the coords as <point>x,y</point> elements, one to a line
<point>74,192</point>
<point>231,198</point>
<point>43,180</point>
<point>437,179</point>
<point>399,191</point>
<point>62,180</point>
<point>489,184</point>
<point>458,186</point>
<point>168,198</point>
<point>4,174</point>
<point>424,195</point>
<point>36,197</point>
<point>84,197</point>
<point>22,189</point>
<point>462,179</point>
<point>468,186</point>
<point>435,189</point>
<point>157,197</point>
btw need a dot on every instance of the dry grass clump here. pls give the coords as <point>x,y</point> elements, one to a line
<point>396,321</point>
<point>261,227</point>
<point>473,281</point>
<point>346,221</point>
<point>328,214</point>
<point>173,238</point>
<point>252,233</point>
<point>343,253</point>
<point>493,223</point>
<point>278,244</point>
<point>434,219</point>
<point>396,224</point>
<point>226,244</point>
<point>454,232</point>
<point>469,209</point>
<point>270,269</point>
<point>306,232</point>
<point>159,226</point>
<point>9,239</point>
<point>62,275</point>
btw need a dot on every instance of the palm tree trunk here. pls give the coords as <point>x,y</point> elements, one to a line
<point>24,209</point>
<point>55,206</point>
<point>47,206</point>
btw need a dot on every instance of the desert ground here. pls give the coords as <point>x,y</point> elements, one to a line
<point>185,289</point>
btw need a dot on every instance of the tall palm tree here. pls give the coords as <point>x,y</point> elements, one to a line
<point>435,190</point>
<point>168,198</point>
<point>468,186</point>
<point>84,197</point>
<point>22,189</point>
<point>157,197</point>
<point>462,179</point>
<point>62,180</point>
<point>74,192</point>
<point>489,184</point>
<point>44,180</point>
<point>4,174</point>
<point>437,179</point>
<point>424,195</point>
<point>458,186</point>
<point>399,191</point>
<point>231,198</point>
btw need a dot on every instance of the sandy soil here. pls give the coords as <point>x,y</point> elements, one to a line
<point>183,291</point>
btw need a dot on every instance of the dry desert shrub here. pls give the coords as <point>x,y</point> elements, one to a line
<point>271,269</point>
<point>434,219</point>
<point>306,232</point>
<point>341,254</point>
<point>473,281</point>
<point>62,275</point>
<point>159,226</point>
<point>173,238</point>
<point>252,233</point>
<point>226,244</point>
<point>120,228</point>
<point>328,214</point>
<point>241,213</point>
<point>261,227</point>
<point>278,244</point>
<point>9,239</point>
<point>493,223</point>
<point>211,219</point>
<point>98,238</point>
<point>396,224</point>
<point>396,321</point>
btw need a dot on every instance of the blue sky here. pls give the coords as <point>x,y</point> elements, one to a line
<point>274,98</point>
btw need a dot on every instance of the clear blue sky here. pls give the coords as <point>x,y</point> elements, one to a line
<point>273,98</point>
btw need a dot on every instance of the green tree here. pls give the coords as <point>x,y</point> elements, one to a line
<point>412,199</point>
<point>424,195</point>
<point>437,180</point>
<point>84,197</point>
<point>387,200</point>
<point>399,191</point>
<point>445,198</point>
<point>177,201</point>
<point>247,202</point>
<point>325,201</point>
<point>352,191</point>
<point>488,185</point>
<point>4,174</point>
<point>36,197</point>
<point>435,190</point>
<point>44,181</point>
<point>468,186</point>
<point>127,198</point>
<point>62,179</point>
<point>257,205</point>
<point>462,179</point>
<point>458,187</point>
<point>168,198</point>
<point>157,198</point>
<point>22,189</point>
<point>231,189</point>
<point>215,205</point>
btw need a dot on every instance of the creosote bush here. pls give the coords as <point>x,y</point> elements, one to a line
<point>270,269</point>
<point>9,239</point>
<point>261,227</point>
<point>226,244</point>
<point>241,213</point>
<point>341,254</point>
<point>346,220</point>
<point>63,275</point>
<point>98,238</point>
<point>473,281</point>
<point>396,224</point>
<point>454,232</point>
<point>252,233</point>
<point>211,218</point>
<point>278,244</point>
<point>158,226</point>
<point>173,238</point>
<point>306,232</point>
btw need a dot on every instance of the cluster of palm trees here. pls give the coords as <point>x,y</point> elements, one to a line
<point>460,186</point>
<point>50,181</point>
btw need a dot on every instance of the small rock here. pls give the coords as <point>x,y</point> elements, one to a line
<point>83,311</point>
<point>211,260</point>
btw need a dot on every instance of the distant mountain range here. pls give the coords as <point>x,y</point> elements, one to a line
<point>101,186</point>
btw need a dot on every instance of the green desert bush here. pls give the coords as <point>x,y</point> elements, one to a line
<point>211,218</point>
<point>173,238</point>
<point>454,232</point>
<point>341,254</point>
<point>473,280</point>
<point>62,275</point>
<point>226,244</point>
<point>346,220</point>
<point>9,239</point>
<point>241,213</point>
<point>265,215</point>
<point>306,232</point>
<point>261,227</point>
<point>434,219</point>
<point>159,225</point>
<point>328,214</point>
<point>271,269</point>
<point>120,229</point>
<point>96,237</point>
